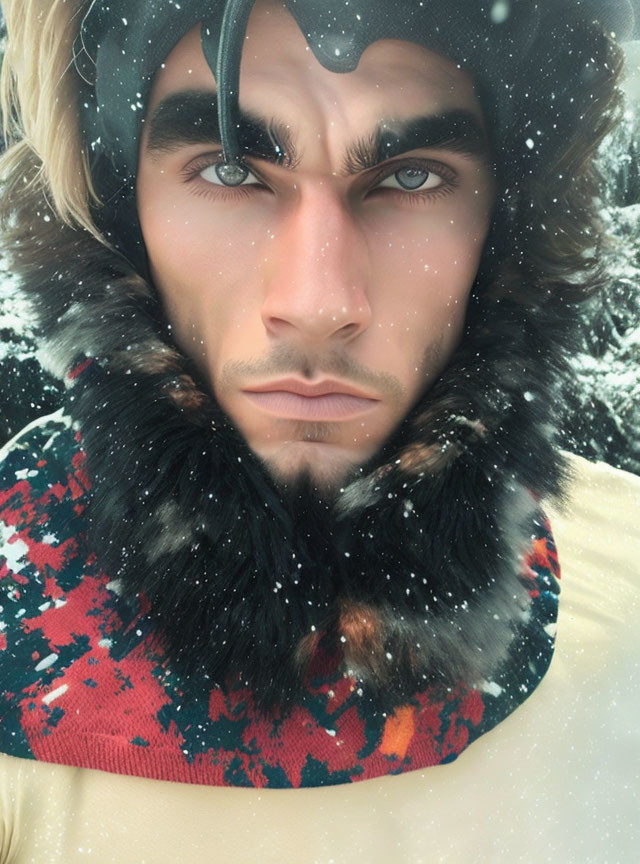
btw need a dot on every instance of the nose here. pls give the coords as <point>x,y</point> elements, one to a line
<point>317,275</point>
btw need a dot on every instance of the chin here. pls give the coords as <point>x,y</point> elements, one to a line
<point>300,468</point>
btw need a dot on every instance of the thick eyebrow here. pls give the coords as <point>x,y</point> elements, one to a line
<point>190,117</point>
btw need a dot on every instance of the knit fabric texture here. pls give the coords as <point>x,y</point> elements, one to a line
<point>83,684</point>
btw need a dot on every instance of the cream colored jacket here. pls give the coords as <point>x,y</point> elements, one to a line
<point>557,781</point>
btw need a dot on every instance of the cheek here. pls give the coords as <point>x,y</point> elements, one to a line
<point>432,261</point>
<point>192,253</point>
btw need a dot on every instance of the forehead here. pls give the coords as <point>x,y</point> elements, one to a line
<point>278,69</point>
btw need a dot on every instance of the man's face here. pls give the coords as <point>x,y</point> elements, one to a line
<point>327,269</point>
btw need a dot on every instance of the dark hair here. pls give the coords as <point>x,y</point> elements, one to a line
<point>547,236</point>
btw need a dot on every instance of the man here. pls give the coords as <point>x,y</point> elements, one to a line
<point>287,530</point>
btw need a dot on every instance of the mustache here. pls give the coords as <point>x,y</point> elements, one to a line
<point>289,360</point>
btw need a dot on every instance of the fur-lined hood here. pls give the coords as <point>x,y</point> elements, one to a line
<point>413,575</point>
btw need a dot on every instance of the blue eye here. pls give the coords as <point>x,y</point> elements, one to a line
<point>211,175</point>
<point>410,178</point>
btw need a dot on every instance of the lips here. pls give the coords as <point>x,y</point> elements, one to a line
<point>321,388</point>
<point>297,400</point>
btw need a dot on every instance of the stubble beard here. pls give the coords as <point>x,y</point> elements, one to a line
<point>306,467</point>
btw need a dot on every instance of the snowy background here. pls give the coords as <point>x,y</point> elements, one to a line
<point>601,401</point>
